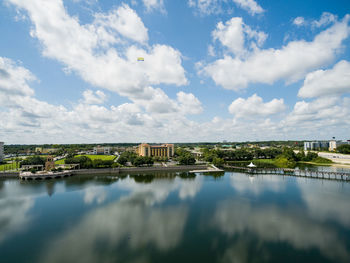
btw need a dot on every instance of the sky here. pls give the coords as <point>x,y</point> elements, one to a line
<point>213,70</point>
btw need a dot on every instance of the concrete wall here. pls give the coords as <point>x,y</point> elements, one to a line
<point>123,170</point>
<point>141,169</point>
<point>9,175</point>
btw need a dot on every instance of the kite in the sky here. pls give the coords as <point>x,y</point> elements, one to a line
<point>140,59</point>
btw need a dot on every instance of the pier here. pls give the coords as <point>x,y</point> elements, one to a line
<point>339,176</point>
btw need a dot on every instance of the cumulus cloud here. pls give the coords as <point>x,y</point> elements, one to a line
<point>122,20</point>
<point>234,34</point>
<point>91,97</point>
<point>26,118</point>
<point>326,19</point>
<point>154,5</point>
<point>250,5</point>
<point>14,79</point>
<point>324,116</point>
<point>299,21</point>
<point>254,106</point>
<point>207,7</point>
<point>101,52</point>
<point>327,82</point>
<point>290,63</point>
<point>188,103</point>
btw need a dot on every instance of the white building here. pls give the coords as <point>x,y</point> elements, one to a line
<point>316,145</point>
<point>102,150</point>
<point>1,151</point>
<point>333,144</point>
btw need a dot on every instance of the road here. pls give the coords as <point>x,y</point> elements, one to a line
<point>336,157</point>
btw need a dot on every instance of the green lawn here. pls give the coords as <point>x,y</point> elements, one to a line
<point>9,166</point>
<point>270,161</point>
<point>92,157</point>
<point>60,161</point>
<point>102,157</point>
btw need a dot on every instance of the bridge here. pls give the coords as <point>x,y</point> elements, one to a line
<point>339,176</point>
<point>44,175</point>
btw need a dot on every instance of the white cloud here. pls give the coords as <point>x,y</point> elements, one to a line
<point>325,116</point>
<point>299,21</point>
<point>231,35</point>
<point>14,79</point>
<point>101,52</point>
<point>326,19</point>
<point>25,118</point>
<point>234,34</point>
<point>188,103</point>
<point>94,98</point>
<point>125,21</point>
<point>206,7</point>
<point>154,5</point>
<point>254,106</point>
<point>250,5</point>
<point>327,82</point>
<point>290,63</point>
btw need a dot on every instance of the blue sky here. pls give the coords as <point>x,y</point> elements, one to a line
<point>214,70</point>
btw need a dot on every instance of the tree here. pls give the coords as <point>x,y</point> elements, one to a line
<point>122,160</point>
<point>186,159</point>
<point>345,148</point>
<point>33,160</point>
<point>84,161</point>
<point>218,162</point>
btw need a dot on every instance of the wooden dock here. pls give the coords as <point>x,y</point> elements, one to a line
<point>339,176</point>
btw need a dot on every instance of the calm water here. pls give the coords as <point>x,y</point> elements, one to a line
<point>175,218</point>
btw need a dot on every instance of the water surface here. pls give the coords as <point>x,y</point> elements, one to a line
<point>178,217</point>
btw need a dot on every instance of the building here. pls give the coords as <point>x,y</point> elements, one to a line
<point>102,150</point>
<point>45,150</point>
<point>50,163</point>
<point>1,151</point>
<point>333,144</point>
<point>316,145</point>
<point>164,150</point>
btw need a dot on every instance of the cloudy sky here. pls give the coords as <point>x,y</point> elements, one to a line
<point>213,70</point>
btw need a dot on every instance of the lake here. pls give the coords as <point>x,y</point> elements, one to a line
<point>177,217</point>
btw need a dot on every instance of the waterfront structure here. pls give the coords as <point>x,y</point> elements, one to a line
<point>50,163</point>
<point>102,150</point>
<point>316,145</point>
<point>1,151</point>
<point>164,150</point>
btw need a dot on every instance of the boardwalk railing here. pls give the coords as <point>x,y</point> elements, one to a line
<point>342,176</point>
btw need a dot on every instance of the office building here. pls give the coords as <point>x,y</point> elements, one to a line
<point>333,144</point>
<point>316,145</point>
<point>164,150</point>
<point>102,150</point>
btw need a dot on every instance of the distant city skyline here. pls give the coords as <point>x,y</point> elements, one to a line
<point>174,71</point>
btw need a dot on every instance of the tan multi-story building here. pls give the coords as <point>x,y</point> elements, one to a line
<point>164,150</point>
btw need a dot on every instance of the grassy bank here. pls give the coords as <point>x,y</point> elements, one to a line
<point>92,157</point>
<point>8,166</point>
<point>101,157</point>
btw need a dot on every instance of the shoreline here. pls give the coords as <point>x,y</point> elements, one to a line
<point>122,170</point>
